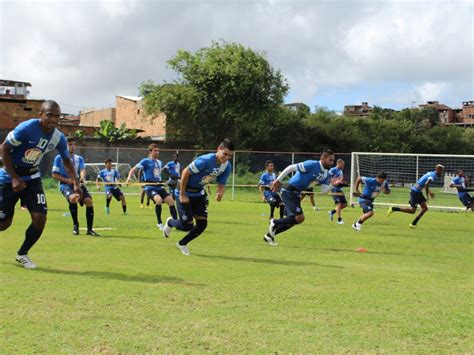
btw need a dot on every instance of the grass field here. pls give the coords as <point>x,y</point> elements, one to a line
<point>132,291</point>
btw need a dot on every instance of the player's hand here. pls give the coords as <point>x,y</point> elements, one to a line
<point>218,197</point>
<point>18,184</point>
<point>356,194</point>
<point>183,198</point>
<point>276,185</point>
<point>432,194</point>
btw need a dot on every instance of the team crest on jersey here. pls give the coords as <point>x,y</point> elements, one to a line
<point>156,172</point>
<point>51,146</point>
<point>207,179</point>
<point>32,155</point>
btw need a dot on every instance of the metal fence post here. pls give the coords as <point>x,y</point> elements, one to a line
<point>233,175</point>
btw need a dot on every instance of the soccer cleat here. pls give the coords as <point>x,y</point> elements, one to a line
<point>184,249</point>
<point>160,226</point>
<point>124,213</point>
<point>315,208</point>
<point>167,229</point>
<point>75,229</point>
<point>340,222</point>
<point>272,228</point>
<point>142,205</point>
<point>107,210</point>
<point>389,211</point>
<point>25,261</point>
<point>92,233</point>
<point>331,216</point>
<point>357,227</point>
<point>267,238</point>
<point>412,226</point>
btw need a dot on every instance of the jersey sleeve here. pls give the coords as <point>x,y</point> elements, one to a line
<point>82,164</point>
<point>222,178</point>
<point>262,181</point>
<point>57,164</point>
<point>197,165</point>
<point>116,175</point>
<point>18,135</point>
<point>141,164</point>
<point>305,166</point>
<point>62,148</point>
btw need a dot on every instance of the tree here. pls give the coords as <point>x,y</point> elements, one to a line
<point>222,90</point>
<point>107,131</point>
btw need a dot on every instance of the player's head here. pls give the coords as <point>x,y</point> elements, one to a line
<point>71,145</point>
<point>269,166</point>
<point>460,173</point>
<point>340,164</point>
<point>108,163</point>
<point>175,157</point>
<point>381,177</point>
<point>49,115</point>
<point>327,158</point>
<point>439,169</point>
<point>153,151</point>
<point>225,151</point>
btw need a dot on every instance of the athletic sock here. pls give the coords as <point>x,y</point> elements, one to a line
<point>272,211</point>
<point>287,220</point>
<point>158,213</point>
<point>173,212</point>
<point>333,211</point>
<point>360,222</point>
<point>73,210</point>
<point>124,208</point>
<point>280,228</point>
<point>396,209</point>
<point>195,232</point>
<point>90,217</point>
<point>107,202</point>
<point>31,237</point>
<point>339,219</point>
<point>282,211</point>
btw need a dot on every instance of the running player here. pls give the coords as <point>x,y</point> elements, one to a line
<point>271,197</point>
<point>460,183</point>
<point>337,193</point>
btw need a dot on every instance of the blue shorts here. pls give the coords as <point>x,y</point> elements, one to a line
<point>32,196</point>
<point>367,205</point>
<point>158,190</point>
<point>416,198</point>
<point>339,199</point>
<point>466,200</point>
<point>273,198</point>
<point>197,206</point>
<point>115,192</point>
<point>68,190</point>
<point>292,201</point>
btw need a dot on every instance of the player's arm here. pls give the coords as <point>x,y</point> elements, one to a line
<point>183,198</point>
<point>17,183</point>
<point>428,191</point>
<point>220,192</point>
<point>356,187</point>
<point>97,180</point>
<point>276,185</point>
<point>56,169</point>
<point>130,174</point>
<point>70,171</point>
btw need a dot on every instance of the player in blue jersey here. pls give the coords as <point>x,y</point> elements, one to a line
<point>417,197</point>
<point>306,175</point>
<point>337,193</point>
<point>20,177</point>
<point>191,196</point>
<point>173,169</point>
<point>271,197</point>
<point>151,170</point>
<point>372,188</point>
<point>111,177</point>
<point>66,186</point>
<point>460,183</point>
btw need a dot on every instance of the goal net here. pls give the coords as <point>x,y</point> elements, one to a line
<point>92,170</point>
<point>403,170</point>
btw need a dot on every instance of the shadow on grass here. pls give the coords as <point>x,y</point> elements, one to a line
<point>267,261</point>
<point>152,279</point>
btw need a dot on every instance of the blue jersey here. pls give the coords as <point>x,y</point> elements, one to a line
<point>27,145</point>
<point>173,168</point>
<point>109,176</point>
<point>458,180</point>
<point>421,183</point>
<point>151,171</point>
<point>205,170</point>
<point>266,180</point>
<point>336,173</point>
<point>309,173</point>
<point>371,188</point>
<point>59,168</point>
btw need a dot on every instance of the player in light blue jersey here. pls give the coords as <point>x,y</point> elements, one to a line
<point>173,168</point>
<point>20,177</point>
<point>191,197</point>
<point>60,174</point>
<point>337,193</point>
<point>111,177</point>
<point>271,197</point>
<point>417,197</point>
<point>460,183</point>
<point>151,169</point>
<point>372,188</point>
<point>306,174</point>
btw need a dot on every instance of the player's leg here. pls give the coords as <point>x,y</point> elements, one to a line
<point>168,199</point>
<point>271,202</point>
<point>8,200</point>
<point>415,199</point>
<point>424,208</point>
<point>72,200</point>
<point>87,201</point>
<point>142,197</point>
<point>294,212</point>
<point>123,201</point>
<point>198,205</point>
<point>108,199</point>
<point>153,193</point>
<point>185,221</point>
<point>368,211</point>
<point>312,202</point>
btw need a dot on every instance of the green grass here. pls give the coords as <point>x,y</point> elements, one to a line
<point>131,291</point>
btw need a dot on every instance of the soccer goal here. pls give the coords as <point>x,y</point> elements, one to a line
<point>92,170</point>
<point>404,170</point>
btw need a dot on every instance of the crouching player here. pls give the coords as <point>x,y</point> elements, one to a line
<point>460,183</point>
<point>191,197</point>
<point>111,177</point>
<point>271,197</point>
<point>372,188</point>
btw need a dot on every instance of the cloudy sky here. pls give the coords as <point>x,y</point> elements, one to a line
<point>390,53</point>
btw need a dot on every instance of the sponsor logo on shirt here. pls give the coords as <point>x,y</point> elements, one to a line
<point>32,155</point>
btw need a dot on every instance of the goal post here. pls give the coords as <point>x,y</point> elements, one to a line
<point>404,169</point>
